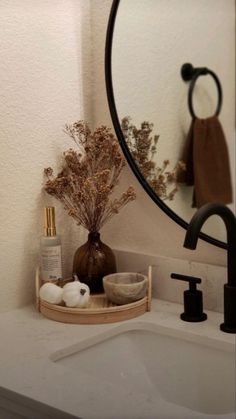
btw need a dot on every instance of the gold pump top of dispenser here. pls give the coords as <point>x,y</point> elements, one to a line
<point>49,221</point>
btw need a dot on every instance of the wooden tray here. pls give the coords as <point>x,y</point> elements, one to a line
<point>100,310</point>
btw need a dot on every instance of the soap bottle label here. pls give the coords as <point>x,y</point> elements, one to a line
<point>51,269</point>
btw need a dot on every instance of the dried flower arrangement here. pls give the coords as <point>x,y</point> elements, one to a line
<point>143,148</point>
<point>89,176</point>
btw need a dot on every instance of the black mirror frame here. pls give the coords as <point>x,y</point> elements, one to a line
<point>117,127</point>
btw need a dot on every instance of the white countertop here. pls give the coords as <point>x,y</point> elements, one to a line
<point>29,342</point>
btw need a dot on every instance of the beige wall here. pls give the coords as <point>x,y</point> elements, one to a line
<point>48,78</point>
<point>42,70</point>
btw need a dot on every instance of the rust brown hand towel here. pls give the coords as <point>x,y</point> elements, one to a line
<point>207,163</point>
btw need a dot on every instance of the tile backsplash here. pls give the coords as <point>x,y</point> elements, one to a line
<point>213,277</point>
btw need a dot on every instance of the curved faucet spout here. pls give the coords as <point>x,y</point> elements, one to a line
<point>190,242</point>
<point>229,219</point>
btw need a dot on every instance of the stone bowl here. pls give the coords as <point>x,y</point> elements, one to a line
<point>125,287</point>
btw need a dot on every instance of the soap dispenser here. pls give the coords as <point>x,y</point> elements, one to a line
<point>193,302</point>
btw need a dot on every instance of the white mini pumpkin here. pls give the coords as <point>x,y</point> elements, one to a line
<point>76,294</point>
<point>51,293</point>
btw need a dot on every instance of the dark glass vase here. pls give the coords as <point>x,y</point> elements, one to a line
<point>93,261</point>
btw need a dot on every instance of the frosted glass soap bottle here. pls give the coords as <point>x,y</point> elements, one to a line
<point>50,249</point>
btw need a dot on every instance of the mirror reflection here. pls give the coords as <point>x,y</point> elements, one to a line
<point>179,126</point>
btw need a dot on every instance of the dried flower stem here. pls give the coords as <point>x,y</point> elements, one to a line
<point>143,148</point>
<point>89,176</point>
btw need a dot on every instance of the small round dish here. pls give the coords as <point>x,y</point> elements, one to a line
<point>125,287</point>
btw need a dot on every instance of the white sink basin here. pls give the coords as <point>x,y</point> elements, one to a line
<point>144,374</point>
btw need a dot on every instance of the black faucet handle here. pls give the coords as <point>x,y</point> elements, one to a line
<point>192,280</point>
<point>193,302</point>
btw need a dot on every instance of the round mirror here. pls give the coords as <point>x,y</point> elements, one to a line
<point>170,76</point>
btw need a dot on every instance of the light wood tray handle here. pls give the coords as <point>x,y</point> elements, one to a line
<point>149,293</point>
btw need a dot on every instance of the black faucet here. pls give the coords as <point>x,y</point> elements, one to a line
<point>190,242</point>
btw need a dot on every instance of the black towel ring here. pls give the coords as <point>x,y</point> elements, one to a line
<point>190,73</point>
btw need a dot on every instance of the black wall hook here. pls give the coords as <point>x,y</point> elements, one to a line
<point>190,73</point>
